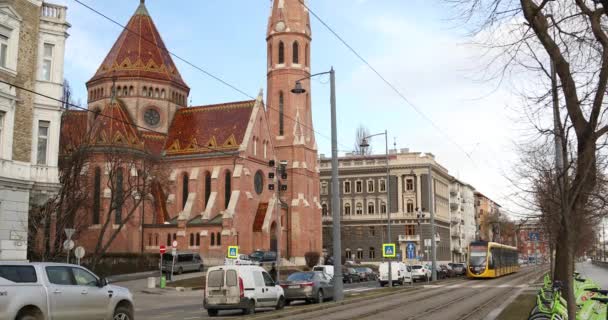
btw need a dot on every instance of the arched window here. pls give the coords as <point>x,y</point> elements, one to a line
<point>168,239</point>
<point>150,92</point>
<point>372,253</point>
<point>359,209</point>
<point>97,195</point>
<point>197,237</point>
<point>149,239</point>
<point>174,236</point>
<point>307,56</point>
<point>371,208</point>
<point>144,91</point>
<point>270,53</point>
<point>163,94</point>
<point>324,209</point>
<point>410,206</point>
<point>347,209</point>
<point>156,239</point>
<point>255,146</point>
<point>125,91</point>
<point>281,52</point>
<point>207,187</point>
<point>118,199</point>
<point>219,239</point>
<point>227,188</point>
<point>118,91</point>
<point>296,52</point>
<point>212,239</point>
<point>101,94</point>
<point>281,114</point>
<point>184,190</point>
<point>348,254</point>
<point>192,239</point>
<point>156,93</point>
<point>383,207</point>
<point>265,149</point>
<point>131,91</point>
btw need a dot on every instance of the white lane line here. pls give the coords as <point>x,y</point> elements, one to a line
<point>359,289</point>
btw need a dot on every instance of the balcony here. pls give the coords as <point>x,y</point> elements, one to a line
<point>53,12</point>
<point>409,238</point>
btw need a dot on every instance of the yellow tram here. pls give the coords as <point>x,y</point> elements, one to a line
<point>491,260</point>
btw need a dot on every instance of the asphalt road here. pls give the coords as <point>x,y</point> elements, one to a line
<point>598,274</point>
<point>188,305</point>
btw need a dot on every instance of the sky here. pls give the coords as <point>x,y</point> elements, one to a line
<point>471,126</point>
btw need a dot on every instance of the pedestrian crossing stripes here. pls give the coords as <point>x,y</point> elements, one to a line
<point>477,286</point>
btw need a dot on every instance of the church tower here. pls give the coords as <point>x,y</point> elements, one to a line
<point>141,70</point>
<point>290,118</point>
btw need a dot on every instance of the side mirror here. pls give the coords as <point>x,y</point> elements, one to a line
<point>103,282</point>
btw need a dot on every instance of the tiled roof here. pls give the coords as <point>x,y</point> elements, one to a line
<point>208,129</point>
<point>260,215</point>
<point>139,51</point>
<point>153,142</point>
<point>114,127</point>
<point>160,206</point>
<point>73,131</point>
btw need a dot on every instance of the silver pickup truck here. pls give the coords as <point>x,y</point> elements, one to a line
<point>37,291</point>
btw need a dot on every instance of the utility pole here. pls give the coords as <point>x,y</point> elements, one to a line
<point>432,213</point>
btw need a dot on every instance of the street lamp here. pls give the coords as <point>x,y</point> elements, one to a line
<point>364,144</point>
<point>335,186</point>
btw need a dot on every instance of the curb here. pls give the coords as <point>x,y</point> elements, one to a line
<point>131,276</point>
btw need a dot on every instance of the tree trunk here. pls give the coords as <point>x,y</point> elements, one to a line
<point>564,266</point>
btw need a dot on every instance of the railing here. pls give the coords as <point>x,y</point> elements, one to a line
<point>53,11</point>
<point>409,238</point>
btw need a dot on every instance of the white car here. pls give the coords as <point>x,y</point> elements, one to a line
<point>400,273</point>
<point>241,260</point>
<point>420,272</point>
<point>241,287</point>
<point>36,291</point>
<point>328,270</point>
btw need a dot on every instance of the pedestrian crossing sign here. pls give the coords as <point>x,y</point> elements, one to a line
<point>233,252</point>
<point>388,250</point>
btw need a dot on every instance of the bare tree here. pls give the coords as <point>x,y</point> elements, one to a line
<point>68,101</point>
<point>361,133</point>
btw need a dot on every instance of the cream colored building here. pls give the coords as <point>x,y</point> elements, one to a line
<point>462,218</point>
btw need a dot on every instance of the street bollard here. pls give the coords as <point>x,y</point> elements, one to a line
<point>163,282</point>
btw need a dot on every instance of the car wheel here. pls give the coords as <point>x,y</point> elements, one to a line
<point>250,308</point>
<point>350,280</point>
<point>123,313</point>
<point>200,268</point>
<point>280,303</point>
<point>31,314</point>
<point>319,297</point>
<point>180,270</point>
<point>287,302</point>
<point>212,312</point>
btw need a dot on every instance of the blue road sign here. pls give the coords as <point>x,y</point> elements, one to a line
<point>534,236</point>
<point>398,256</point>
<point>388,250</point>
<point>410,250</point>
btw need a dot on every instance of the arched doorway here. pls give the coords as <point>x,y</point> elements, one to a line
<point>273,237</point>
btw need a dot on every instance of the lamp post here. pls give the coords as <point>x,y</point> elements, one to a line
<point>432,216</point>
<point>335,186</point>
<point>365,144</point>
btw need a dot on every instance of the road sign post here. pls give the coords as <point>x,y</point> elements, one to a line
<point>173,254</point>
<point>79,253</point>
<point>162,250</point>
<point>68,245</point>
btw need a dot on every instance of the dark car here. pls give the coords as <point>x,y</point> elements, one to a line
<point>350,275</point>
<point>366,274</point>
<point>441,273</point>
<point>308,286</point>
<point>263,256</point>
<point>449,271</point>
<point>460,269</point>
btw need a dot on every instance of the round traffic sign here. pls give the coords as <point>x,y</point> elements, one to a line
<point>68,245</point>
<point>174,244</point>
<point>79,252</point>
<point>163,249</point>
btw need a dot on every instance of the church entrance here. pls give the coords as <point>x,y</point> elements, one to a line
<point>273,237</point>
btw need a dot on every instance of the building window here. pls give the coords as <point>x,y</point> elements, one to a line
<point>198,239</point>
<point>281,114</point>
<point>346,186</point>
<point>296,53</point>
<point>307,56</point>
<point>174,237</point>
<point>324,209</point>
<point>370,186</point>
<point>47,61</point>
<point>372,231</point>
<point>359,253</point>
<point>281,52</point>
<point>348,254</point>
<point>372,253</point>
<point>265,149</point>
<point>118,197</point>
<point>383,207</point>
<point>156,239</point>
<point>43,141</point>
<point>212,239</point>
<point>410,230</point>
<point>125,91</point>
<point>409,184</point>
<point>410,206</point>
<point>2,116</point>
<point>227,189</point>
<point>359,186</point>
<point>97,195</point>
<point>359,209</point>
<point>371,208</point>
<point>184,190</point>
<point>347,209</point>
<point>207,187</point>
<point>168,239</point>
<point>3,50</point>
<point>255,146</point>
<point>270,53</point>
<point>219,239</point>
<point>192,239</point>
<point>324,188</point>
<point>382,185</point>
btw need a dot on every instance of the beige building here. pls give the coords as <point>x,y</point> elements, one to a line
<point>32,42</point>
<point>487,213</point>
<point>363,205</point>
<point>462,218</point>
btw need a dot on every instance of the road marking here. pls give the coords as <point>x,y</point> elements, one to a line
<point>359,289</point>
<point>433,286</point>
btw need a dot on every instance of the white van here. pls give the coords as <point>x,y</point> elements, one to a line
<point>400,273</point>
<point>326,269</point>
<point>241,287</point>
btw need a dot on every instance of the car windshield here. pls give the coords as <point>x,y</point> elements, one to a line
<point>244,257</point>
<point>216,278</point>
<point>416,267</point>
<point>301,276</point>
<point>361,269</point>
<point>459,265</point>
<point>257,254</point>
<point>478,255</point>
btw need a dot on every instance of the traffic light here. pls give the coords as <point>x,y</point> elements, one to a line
<point>271,163</point>
<point>284,175</point>
<point>271,186</point>
<point>270,175</point>
<point>283,187</point>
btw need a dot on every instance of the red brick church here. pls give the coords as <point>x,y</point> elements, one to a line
<point>216,157</point>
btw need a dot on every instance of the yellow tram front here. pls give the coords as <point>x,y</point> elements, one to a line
<point>491,260</point>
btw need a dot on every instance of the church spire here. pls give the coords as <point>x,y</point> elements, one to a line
<point>141,10</point>
<point>289,16</point>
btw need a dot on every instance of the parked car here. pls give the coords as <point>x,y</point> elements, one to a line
<point>450,273</point>
<point>441,273</point>
<point>420,272</point>
<point>241,260</point>
<point>399,271</point>
<point>328,270</point>
<point>350,275</point>
<point>182,262</point>
<point>460,269</point>
<point>241,287</point>
<point>260,256</point>
<point>59,291</point>
<point>366,274</point>
<point>313,286</point>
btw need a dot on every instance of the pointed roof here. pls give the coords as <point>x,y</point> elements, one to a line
<point>73,129</point>
<point>140,52</point>
<point>209,129</point>
<point>113,127</point>
<point>289,16</point>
